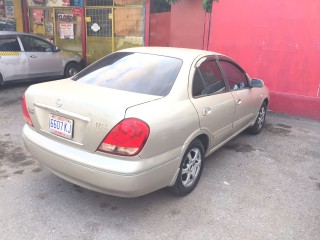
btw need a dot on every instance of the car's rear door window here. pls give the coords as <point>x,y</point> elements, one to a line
<point>208,79</point>
<point>133,72</point>
<point>9,45</point>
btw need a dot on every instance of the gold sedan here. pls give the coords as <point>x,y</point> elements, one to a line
<point>141,119</point>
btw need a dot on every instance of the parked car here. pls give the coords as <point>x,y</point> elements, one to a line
<point>25,57</point>
<point>141,119</point>
<point>7,24</point>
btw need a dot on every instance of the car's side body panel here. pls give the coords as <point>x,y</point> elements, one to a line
<point>246,107</point>
<point>14,66</point>
<point>178,118</point>
<point>14,62</point>
<point>43,64</point>
<point>216,113</point>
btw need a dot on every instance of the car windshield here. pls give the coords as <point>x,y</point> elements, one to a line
<point>133,72</point>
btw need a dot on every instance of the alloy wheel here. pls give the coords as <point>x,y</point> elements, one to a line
<point>261,117</point>
<point>191,167</point>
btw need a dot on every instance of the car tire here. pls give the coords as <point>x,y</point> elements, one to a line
<point>258,124</point>
<point>71,69</point>
<point>190,169</point>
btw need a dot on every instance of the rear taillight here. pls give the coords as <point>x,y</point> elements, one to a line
<point>126,138</point>
<point>25,111</point>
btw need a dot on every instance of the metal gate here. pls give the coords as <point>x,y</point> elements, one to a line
<point>111,28</point>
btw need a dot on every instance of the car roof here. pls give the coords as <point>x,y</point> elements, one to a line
<point>13,33</point>
<point>172,51</point>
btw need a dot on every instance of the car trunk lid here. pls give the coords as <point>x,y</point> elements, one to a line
<point>79,114</point>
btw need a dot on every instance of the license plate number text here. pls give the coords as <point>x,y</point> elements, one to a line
<point>61,126</point>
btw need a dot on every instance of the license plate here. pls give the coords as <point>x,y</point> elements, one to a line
<point>61,126</point>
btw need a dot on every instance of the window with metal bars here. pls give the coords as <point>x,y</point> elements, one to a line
<point>99,17</point>
<point>113,2</point>
<point>159,6</point>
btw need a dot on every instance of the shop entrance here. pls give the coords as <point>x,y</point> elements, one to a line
<point>99,28</point>
<point>58,25</point>
<point>68,30</point>
<point>113,28</point>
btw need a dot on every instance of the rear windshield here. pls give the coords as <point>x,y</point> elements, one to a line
<point>133,72</point>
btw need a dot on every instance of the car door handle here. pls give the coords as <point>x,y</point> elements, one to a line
<point>206,111</point>
<point>33,56</point>
<point>238,101</point>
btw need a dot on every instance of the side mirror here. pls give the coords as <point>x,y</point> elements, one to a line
<point>256,83</point>
<point>56,49</point>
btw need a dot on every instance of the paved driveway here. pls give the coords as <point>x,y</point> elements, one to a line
<point>256,187</point>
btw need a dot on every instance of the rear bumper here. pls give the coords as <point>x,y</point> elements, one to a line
<point>73,165</point>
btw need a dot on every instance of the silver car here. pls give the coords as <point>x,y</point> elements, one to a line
<point>141,119</point>
<point>25,57</point>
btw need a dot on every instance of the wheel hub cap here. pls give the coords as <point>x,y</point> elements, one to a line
<point>261,117</point>
<point>191,167</point>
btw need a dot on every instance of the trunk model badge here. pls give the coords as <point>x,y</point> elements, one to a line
<point>59,102</point>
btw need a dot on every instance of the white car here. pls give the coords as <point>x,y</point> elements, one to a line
<point>25,57</point>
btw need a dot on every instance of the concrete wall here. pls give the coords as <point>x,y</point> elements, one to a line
<point>184,26</point>
<point>187,24</point>
<point>160,29</point>
<point>277,41</point>
<point>18,15</point>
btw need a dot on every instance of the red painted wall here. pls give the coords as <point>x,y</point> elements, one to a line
<point>187,25</point>
<point>160,29</point>
<point>147,23</point>
<point>277,41</point>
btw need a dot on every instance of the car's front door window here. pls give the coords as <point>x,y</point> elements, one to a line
<point>33,44</point>
<point>236,78</point>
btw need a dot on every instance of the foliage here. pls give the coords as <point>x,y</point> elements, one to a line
<point>207,4</point>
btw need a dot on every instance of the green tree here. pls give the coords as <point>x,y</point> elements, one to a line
<point>207,4</point>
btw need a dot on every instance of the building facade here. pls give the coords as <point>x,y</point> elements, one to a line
<point>11,15</point>
<point>277,41</point>
<point>93,28</point>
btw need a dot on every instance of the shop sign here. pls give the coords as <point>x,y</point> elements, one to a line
<point>78,3</point>
<point>49,28</point>
<point>39,2</point>
<point>65,17</point>
<point>49,3</point>
<point>77,11</point>
<point>9,8</point>
<point>2,10</point>
<point>38,15</point>
<point>66,31</point>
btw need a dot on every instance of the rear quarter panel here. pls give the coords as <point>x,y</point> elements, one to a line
<point>171,124</point>
<point>173,120</point>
